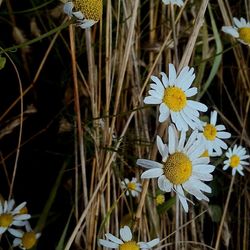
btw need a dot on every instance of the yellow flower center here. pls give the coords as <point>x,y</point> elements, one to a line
<point>178,168</point>
<point>130,245</point>
<point>131,186</point>
<point>175,98</point>
<point>5,220</point>
<point>210,132</point>
<point>91,9</point>
<point>234,161</point>
<point>29,240</point>
<point>24,210</point>
<point>160,199</point>
<point>244,34</point>
<point>205,154</point>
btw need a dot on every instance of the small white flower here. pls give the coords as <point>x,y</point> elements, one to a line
<point>182,168</point>
<point>26,240</point>
<point>172,94</point>
<point>10,216</point>
<point>126,242</point>
<point>177,2</point>
<point>132,186</point>
<point>236,157</point>
<point>240,30</point>
<point>212,135</point>
<point>87,12</point>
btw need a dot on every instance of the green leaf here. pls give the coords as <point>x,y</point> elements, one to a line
<point>60,244</point>
<point>166,205</point>
<point>218,55</point>
<point>215,212</point>
<point>2,62</point>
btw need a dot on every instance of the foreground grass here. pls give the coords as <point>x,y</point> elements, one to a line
<point>73,121</point>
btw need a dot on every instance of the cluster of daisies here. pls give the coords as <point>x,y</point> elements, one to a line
<point>14,220</point>
<point>185,157</point>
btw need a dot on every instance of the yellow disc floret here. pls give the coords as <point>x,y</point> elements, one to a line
<point>175,98</point>
<point>210,132</point>
<point>131,186</point>
<point>5,220</point>
<point>244,34</point>
<point>29,240</point>
<point>160,199</point>
<point>234,161</point>
<point>24,210</point>
<point>91,9</point>
<point>178,168</point>
<point>205,154</point>
<point>130,245</point>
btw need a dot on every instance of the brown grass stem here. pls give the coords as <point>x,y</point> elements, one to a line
<point>217,243</point>
<point>78,116</point>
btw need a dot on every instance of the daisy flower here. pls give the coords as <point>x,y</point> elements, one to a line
<point>126,242</point>
<point>10,216</point>
<point>177,2</point>
<point>160,199</point>
<point>240,30</point>
<point>212,135</point>
<point>26,240</point>
<point>132,186</point>
<point>87,12</point>
<point>172,94</point>
<point>236,157</point>
<point>181,168</point>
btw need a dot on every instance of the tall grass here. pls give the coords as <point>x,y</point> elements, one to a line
<point>89,125</point>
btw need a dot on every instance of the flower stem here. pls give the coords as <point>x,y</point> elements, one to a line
<point>177,215</point>
<point>224,214</point>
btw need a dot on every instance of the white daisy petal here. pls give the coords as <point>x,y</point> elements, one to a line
<point>191,92</point>
<point>164,184</point>
<point>197,105</point>
<point>190,188</point>
<point>172,74</point>
<point>182,198</point>
<point>163,117</point>
<point>113,238</point>
<point>171,140</point>
<point>164,109</point>
<point>2,230</point>
<point>108,244</point>
<point>188,81</point>
<point>231,31</point>
<point>155,94</point>
<point>154,242</point>
<point>163,149</point>
<point>78,15</point>
<point>148,163</point>
<point>16,233</point>
<point>67,8</point>
<point>22,217</point>
<point>152,100</point>
<point>11,204</point>
<point>19,223</point>
<point>16,242</point>
<point>240,172</point>
<point>220,127</point>
<point>164,79</point>
<point>19,207</point>
<point>223,135</point>
<point>148,245</point>
<point>125,233</point>
<point>213,118</point>
<point>182,76</point>
<point>152,173</point>
<point>156,80</point>
<point>237,22</point>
